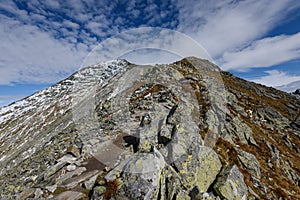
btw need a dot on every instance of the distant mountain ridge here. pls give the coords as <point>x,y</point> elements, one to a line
<point>184,130</point>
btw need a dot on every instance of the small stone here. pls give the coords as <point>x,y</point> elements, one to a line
<point>182,196</point>
<point>38,193</point>
<point>106,168</point>
<point>205,195</point>
<point>71,167</point>
<point>145,120</point>
<point>51,188</point>
<point>270,164</point>
<point>67,159</point>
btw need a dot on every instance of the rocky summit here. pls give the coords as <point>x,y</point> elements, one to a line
<point>184,130</point>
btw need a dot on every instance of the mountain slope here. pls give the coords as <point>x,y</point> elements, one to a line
<point>180,131</point>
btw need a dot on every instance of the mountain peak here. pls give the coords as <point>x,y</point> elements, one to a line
<point>201,63</point>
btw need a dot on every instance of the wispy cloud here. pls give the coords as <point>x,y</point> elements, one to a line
<point>264,53</point>
<point>277,78</point>
<point>130,44</point>
<point>291,87</point>
<point>31,55</point>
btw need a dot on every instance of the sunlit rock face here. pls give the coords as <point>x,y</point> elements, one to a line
<point>184,130</point>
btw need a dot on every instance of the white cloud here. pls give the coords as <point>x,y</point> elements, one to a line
<point>291,87</point>
<point>222,26</point>
<point>35,49</point>
<point>177,45</point>
<point>277,78</point>
<point>71,24</point>
<point>97,27</point>
<point>145,56</point>
<point>37,17</point>
<point>31,55</point>
<point>51,4</point>
<point>264,53</point>
<point>10,7</point>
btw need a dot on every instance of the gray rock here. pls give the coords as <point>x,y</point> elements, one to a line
<point>60,163</point>
<point>91,182</point>
<point>249,162</point>
<point>38,193</point>
<point>51,188</point>
<point>140,175</point>
<point>237,129</point>
<point>71,174</point>
<point>73,182</point>
<point>71,167</point>
<point>230,184</point>
<point>275,153</point>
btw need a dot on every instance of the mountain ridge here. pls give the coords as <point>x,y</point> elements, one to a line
<point>54,141</point>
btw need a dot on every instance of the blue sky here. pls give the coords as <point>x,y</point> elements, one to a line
<point>44,41</point>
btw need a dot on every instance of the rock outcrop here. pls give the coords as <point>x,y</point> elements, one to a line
<point>297,94</point>
<point>185,130</point>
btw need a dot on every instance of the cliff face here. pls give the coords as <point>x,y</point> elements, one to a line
<point>180,131</point>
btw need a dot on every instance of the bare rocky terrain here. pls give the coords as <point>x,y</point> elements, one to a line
<point>184,130</point>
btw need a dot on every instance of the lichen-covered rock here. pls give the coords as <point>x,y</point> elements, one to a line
<point>230,184</point>
<point>198,169</point>
<point>98,192</point>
